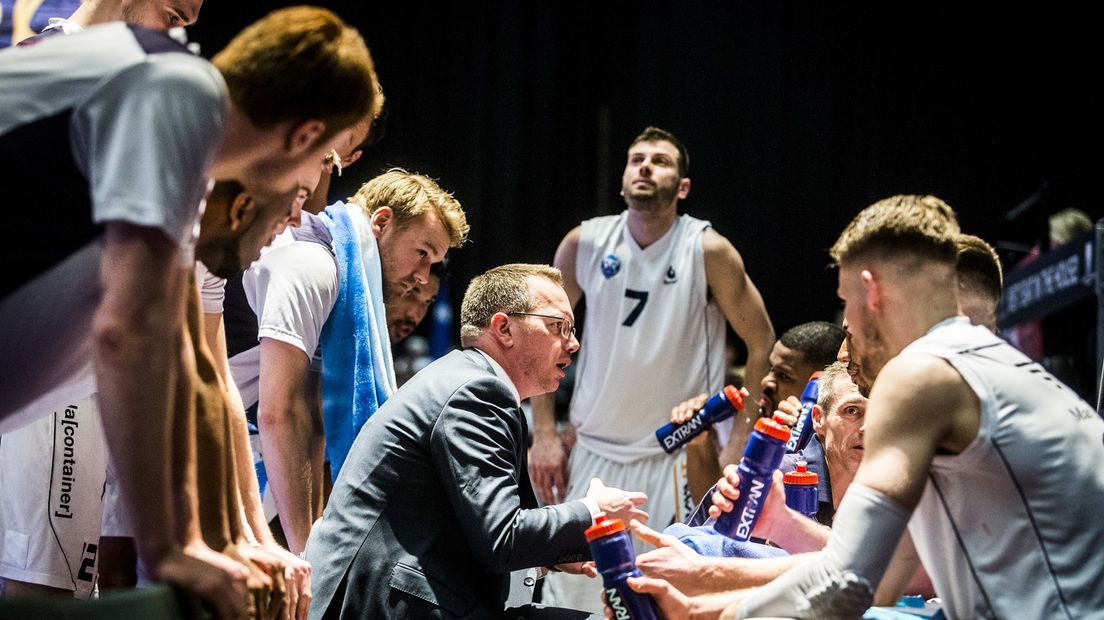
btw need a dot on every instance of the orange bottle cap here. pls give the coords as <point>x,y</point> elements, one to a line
<point>735,397</point>
<point>801,475</point>
<point>604,527</point>
<point>773,427</point>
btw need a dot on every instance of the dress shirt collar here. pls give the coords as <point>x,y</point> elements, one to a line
<point>501,373</point>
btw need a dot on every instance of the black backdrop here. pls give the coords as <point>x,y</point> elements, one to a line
<point>796,116</point>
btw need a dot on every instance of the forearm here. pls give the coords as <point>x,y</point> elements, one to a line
<point>797,533</point>
<point>136,335</point>
<point>286,446</point>
<point>758,364</point>
<point>544,416</point>
<point>840,580</point>
<point>742,425</point>
<point>744,422</point>
<point>134,402</point>
<point>248,488</point>
<point>722,574</point>
<point>183,440</point>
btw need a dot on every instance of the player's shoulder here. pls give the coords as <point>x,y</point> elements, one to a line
<point>921,378</point>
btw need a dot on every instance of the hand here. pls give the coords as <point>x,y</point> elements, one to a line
<point>671,560</point>
<point>671,603</point>
<point>685,410</point>
<point>790,410</point>
<point>548,468</point>
<point>579,568</point>
<point>726,491</point>
<point>265,582</point>
<point>214,578</point>
<point>297,574</point>
<point>775,513</point>
<point>618,504</point>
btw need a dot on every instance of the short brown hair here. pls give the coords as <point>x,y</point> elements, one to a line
<point>301,63</point>
<point>501,289</point>
<point>655,134</point>
<point>410,195</point>
<point>923,226</point>
<point>979,266</point>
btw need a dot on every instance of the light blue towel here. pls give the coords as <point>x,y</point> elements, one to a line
<point>708,542</point>
<point>358,374</point>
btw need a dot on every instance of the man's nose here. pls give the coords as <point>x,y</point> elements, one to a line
<point>421,274</point>
<point>767,383</point>
<point>295,218</point>
<point>572,344</point>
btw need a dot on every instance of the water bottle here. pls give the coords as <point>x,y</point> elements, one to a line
<point>803,430</point>
<point>720,406</point>
<point>762,455</point>
<point>801,490</point>
<point>616,561</point>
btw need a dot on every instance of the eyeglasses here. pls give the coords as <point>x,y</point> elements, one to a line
<point>567,328</point>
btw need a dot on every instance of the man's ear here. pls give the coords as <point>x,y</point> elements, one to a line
<point>818,420</point>
<point>302,136</point>
<point>501,330</point>
<point>872,289</point>
<point>381,219</point>
<point>352,158</point>
<point>684,188</point>
<point>242,210</point>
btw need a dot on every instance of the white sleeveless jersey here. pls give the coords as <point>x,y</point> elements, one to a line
<point>1013,527</point>
<point>651,337</point>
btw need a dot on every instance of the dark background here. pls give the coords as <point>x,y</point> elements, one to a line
<point>796,116</point>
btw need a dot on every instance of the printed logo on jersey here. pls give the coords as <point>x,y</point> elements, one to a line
<point>610,266</point>
<point>66,434</point>
<point>670,277</point>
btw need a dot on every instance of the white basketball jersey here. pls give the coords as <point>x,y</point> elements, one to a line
<point>1012,527</point>
<point>651,338</point>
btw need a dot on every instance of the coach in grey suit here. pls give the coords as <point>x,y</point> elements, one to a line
<point>433,507</point>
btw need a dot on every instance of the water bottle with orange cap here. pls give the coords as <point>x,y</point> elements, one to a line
<point>615,560</point>
<point>801,490</point>
<point>762,455</point>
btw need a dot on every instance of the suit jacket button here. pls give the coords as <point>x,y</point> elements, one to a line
<point>529,581</point>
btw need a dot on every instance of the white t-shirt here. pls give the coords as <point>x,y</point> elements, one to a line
<point>292,289</point>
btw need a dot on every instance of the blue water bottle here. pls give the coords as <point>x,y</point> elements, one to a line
<point>803,430</point>
<point>720,406</point>
<point>801,490</point>
<point>616,561</point>
<point>762,455</point>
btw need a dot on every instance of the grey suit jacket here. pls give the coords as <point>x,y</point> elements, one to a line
<point>433,507</point>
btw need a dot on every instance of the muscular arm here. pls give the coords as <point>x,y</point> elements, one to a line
<point>743,307</point>
<point>136,335</point>
<point>284,417</point>
<point>548,457</point>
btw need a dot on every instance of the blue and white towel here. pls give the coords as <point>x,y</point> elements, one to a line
<point>358,373</point>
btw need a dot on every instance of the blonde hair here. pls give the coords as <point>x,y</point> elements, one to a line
<point>923,226</point>
<point>301,63</point>
<point>410,195</point>
<point>502,289</point>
